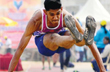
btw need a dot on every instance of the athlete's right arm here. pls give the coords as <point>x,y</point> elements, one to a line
<point>32,26</point>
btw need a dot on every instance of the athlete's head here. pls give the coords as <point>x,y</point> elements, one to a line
<point>53,9</point>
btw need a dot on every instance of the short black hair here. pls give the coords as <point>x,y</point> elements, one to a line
<point>52,4</point>
<point>107,38</point>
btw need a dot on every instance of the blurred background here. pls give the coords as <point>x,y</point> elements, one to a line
<point>15,14</point>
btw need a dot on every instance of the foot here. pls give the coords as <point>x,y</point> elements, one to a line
<point>54,64</point>
<point>62,71</point>
<point>49,68</point>
<point>65,67</point>
<point>90,30</point>
<point>70,24</point>
<point>43,68</point>
<point>75,71</point>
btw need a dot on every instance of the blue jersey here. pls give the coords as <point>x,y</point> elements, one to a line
<point>100,36</point>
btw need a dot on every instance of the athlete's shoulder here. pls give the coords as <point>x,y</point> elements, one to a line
<point>35,21</point>
<point>37,15</point>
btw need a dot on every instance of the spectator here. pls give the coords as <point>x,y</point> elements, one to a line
<point>85,52</point>
<point>55,58</point>
<point>43,60</point>
<point>8,44</point>
<point>101,33</point>
<point>104,54</point>
<point>1,44</point>
<point>64,63</point>
<point>80,52</point>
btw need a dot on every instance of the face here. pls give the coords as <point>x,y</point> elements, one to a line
<point>105,41</point>
<point>53,15</point>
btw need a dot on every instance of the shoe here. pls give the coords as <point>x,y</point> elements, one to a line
<point>62,71</point>
<point>90,30</point>
<point>49,68</point>
<point>43,68</point>
<point>65,67</point>
<point>75,71</point>
<point>70,24</point>
<point>54,64</point>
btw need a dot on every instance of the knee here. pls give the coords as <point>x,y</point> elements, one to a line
<point>54,35</point>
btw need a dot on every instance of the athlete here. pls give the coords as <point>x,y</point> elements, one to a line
<point>47,23</point>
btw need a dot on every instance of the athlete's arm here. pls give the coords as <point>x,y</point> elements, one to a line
<point>32,26</point>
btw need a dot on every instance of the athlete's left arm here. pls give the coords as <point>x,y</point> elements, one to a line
<point>76,21</point>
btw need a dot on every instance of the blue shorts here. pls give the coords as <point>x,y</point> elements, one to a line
<point>45,51</point>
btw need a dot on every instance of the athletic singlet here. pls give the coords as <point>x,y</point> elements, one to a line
<point>46,29</point>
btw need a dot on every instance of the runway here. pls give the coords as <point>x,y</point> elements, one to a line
<point>30,66</point>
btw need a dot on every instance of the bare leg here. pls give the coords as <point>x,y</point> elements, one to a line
<point>55,58</point>
<point>53,41</point>
<point>48,58</point>
<point>43,59</point>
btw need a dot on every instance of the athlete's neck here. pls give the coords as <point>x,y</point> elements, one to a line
<point>51,25</point>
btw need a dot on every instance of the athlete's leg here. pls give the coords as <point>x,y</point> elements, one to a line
<point>53,41</point>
